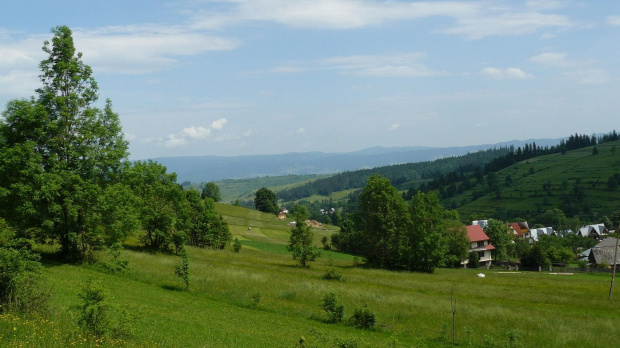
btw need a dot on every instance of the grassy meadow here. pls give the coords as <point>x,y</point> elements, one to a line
<point>260,298</point>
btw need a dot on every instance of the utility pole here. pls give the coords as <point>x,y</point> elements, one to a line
<point>613,272</point>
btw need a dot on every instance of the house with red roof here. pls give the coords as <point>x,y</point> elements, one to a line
<point>520,230</point>
<point>480,243</point>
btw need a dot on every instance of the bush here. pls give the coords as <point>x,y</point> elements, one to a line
<point>474,261</point>
<point>100,318</point>
<point>21,286</point>
<point>362,318</point>
<point>333,274</point>
<point>331,307</point>
<point>237,245</point>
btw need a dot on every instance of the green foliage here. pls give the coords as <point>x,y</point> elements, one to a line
<point>182,270</point>
<point>265,200</point>
<point>333,310</point>
<point>534,258</point>
<point>301,239</point>
<point>59,155</point>
<point>425,249</point>
<point>362,318</point>
<point>325,243</point>
<point>384,222</point>
<point>333,274</point>
<point>500,237</point>
<point>473,260</point>
<point>211,190</point>
<point>115,263</point>
<point>21,286</point>
<point>256,297</point>
<point>237,245</point>
<point>455,243</point>
<point>98,317</point>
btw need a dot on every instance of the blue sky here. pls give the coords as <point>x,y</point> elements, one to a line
<point>240,77</point>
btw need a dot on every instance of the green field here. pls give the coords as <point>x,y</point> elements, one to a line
<point>244,189</point>
<point>221,308</point>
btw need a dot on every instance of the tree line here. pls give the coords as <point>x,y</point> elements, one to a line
<point>65,177</point>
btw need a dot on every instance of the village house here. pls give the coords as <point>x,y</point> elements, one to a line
<point>535,233</point>
<point>593,231</point>
<point>282,214</point>
<point>520,230</point>
<point>479,243</point>
<point>603,253</point>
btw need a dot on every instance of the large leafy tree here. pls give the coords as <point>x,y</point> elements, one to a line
<point>500,236</point>
<point>59,154</point>
<point>266,201</point>
<point>384,222</point>
<point>211,190</point>
<point>425,248</point>
<point>301,240</point>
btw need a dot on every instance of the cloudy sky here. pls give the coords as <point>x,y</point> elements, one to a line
<point>240,77</point>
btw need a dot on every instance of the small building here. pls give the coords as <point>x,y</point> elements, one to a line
<point>520,230</point>
<point>603,253</point>
<point>535,233</point>
<point>282,214</point>
<point>479,243</point>
<point>481,223</point>
<point>593,231</point>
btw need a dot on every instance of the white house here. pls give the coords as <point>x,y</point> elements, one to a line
<point>593,231</point>
<point>536,232</point>
<point>480,243</point>
<point>481,223</point>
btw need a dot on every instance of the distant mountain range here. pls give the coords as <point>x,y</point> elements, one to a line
<point>213,168</point>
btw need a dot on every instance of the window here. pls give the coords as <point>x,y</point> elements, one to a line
<point>480,243</point>
<point>481,255</point>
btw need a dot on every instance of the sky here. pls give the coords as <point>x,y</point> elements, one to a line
<point>246,77</point>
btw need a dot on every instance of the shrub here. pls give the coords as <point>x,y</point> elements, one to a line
<point>237,245</point>
<point>21,286</point>
<point>182,270</point>
<point>474,261</point>
<point>362,318</point>
<point>331,307</point>
<point>100,318</point>
<point>115,264</point>
<point>333,274</point>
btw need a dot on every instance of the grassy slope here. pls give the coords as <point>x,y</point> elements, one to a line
<point>234,189</point>
<point>526,195</point>
<point>411,309</point>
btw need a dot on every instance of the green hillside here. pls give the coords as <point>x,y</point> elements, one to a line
<point>575,182</point>
<point>244,189</point>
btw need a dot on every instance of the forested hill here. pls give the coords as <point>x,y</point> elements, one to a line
<point>404,176</point>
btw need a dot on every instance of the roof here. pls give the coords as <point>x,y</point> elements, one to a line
<point>597,230</point>
<point>536,232</point>
<point>475,233</point>
<point>515,226</point>
<point>604,252</point>
<point>490,247</point>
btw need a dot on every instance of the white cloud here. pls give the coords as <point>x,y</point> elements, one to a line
<point>329,14</point>
<point>613,20</point>
<point>474,20</point>
<point>218,124</point>
<point>193,133</point>
<point>395,126</point>
<point>391,65</point>
<point>553,59</point>
<point>301,130</point>
<point>510,73</point>
<point>506,23</point>
<point>590,76</point>
<point>196,132</point>
<point>247,133</point>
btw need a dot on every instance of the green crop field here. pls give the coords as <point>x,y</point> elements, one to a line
<point>260,298</point>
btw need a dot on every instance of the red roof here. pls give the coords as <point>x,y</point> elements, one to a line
<point>515,226</point>
<point>475,233</point>
<point>490,247</point>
